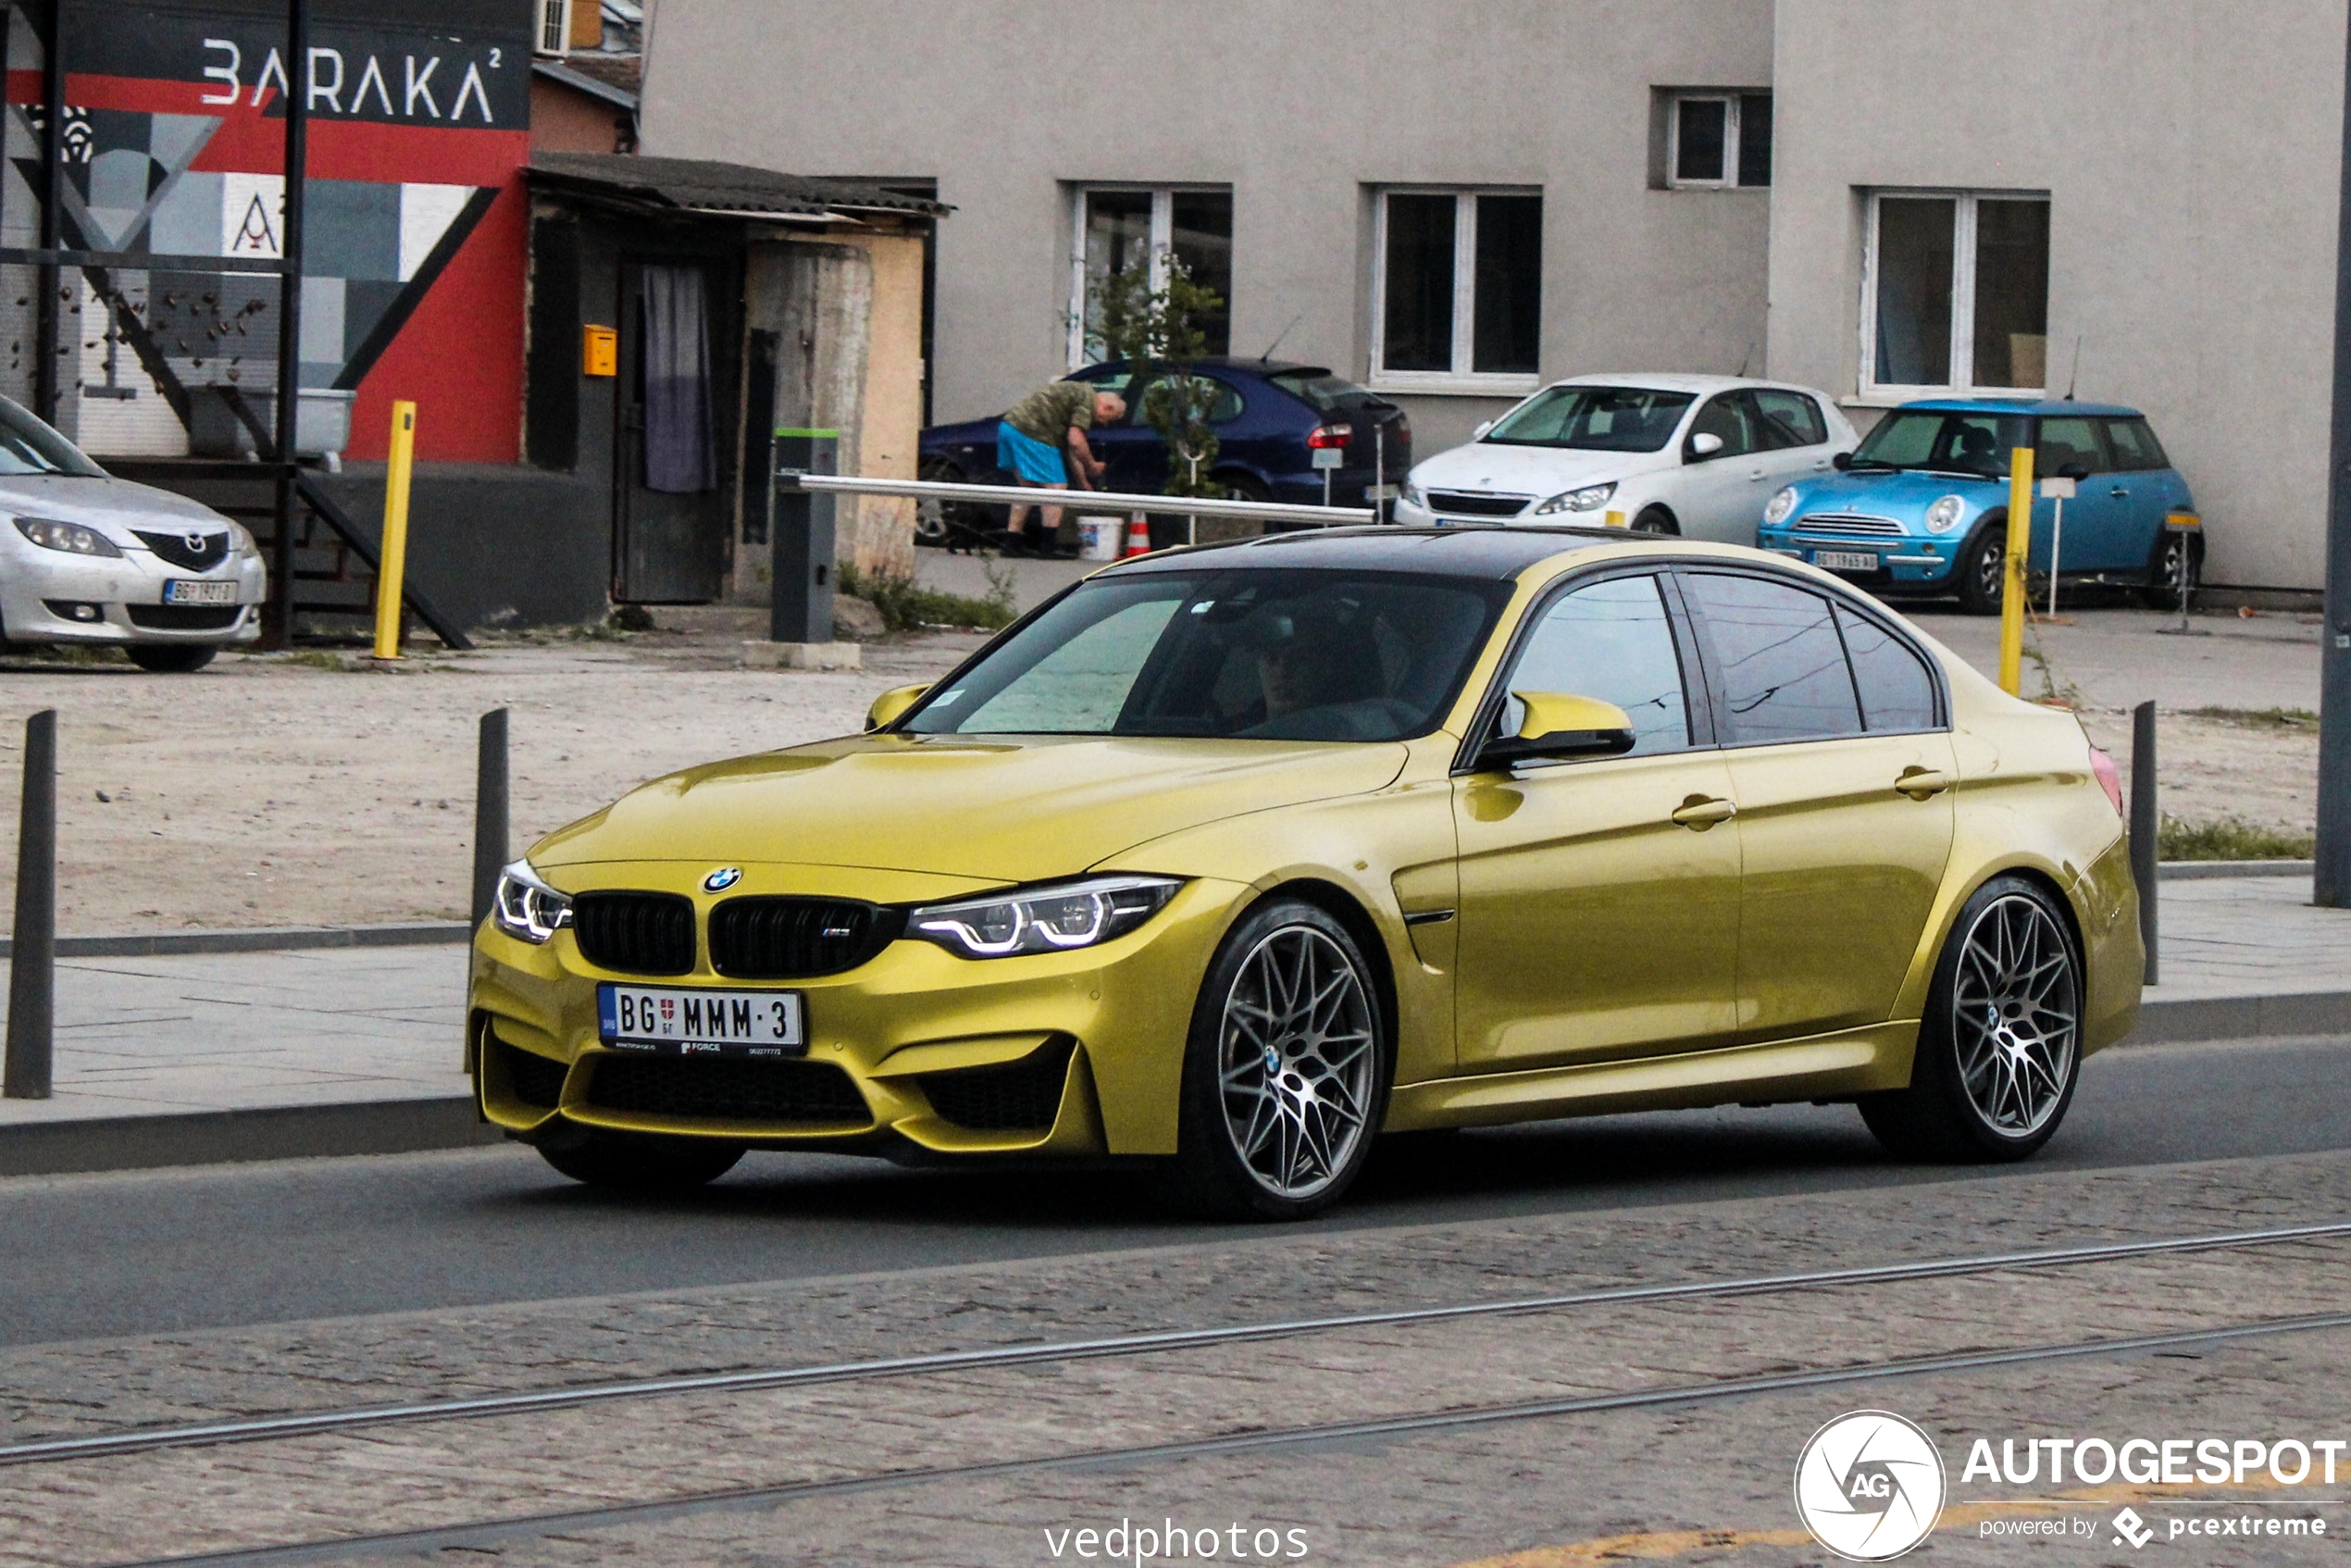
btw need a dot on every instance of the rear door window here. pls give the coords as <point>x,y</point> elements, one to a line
<point>1897,689</point>
<point>2135,448</point>
<point>1781,662</point>
<point>1787,418</point>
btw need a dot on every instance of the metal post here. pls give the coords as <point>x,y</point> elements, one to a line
<point>2331,886</point>
<point>2056,551</point>
<point>32,960</point>
<point>278,612</point>
<point>491,837</point>
<point>391,561</point>
<point>2147,822</point>
<point>800,571</point>
<point>2012,579</point>
<point>1379,470</point>
<point>48,317</point>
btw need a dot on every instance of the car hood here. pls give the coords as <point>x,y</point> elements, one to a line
<point>1904,496</point>
<point>104,504</point>
<point>994,809</point>
<point>1539,471</point>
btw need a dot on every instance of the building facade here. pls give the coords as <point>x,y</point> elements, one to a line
<point>2132,199</point>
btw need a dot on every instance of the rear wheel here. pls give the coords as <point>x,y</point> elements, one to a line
<point>948,524</point>
<point>1286,1073</point>
<point>169,658</point>
<point>624,1161</point>
<point>2163,590</point>
<point>1981,572</point>
<point>1656,520</point>
<point>2000,1048</point>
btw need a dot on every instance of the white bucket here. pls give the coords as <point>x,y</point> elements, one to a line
<point>1099,539</point>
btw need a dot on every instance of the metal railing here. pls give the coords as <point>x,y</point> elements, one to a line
<point>1088,501</point>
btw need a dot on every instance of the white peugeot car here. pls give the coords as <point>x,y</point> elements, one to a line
<point>1697,455</point>
<point>86,557</point>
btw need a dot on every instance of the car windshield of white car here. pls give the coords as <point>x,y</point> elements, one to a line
<point>1594,419</point>
<point>1941,442</point>
<point>1258,654</point>
<point>29,446</point>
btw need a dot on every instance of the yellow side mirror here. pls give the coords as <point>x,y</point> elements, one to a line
<point>892,703</point>
<point>1559,725</point>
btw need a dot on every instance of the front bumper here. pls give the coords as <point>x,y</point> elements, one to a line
<point>1916,563</point>
<point>49,596</point>
<point>1072,1053</point>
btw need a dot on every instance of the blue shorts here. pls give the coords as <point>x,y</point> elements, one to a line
<point>1029,458</point>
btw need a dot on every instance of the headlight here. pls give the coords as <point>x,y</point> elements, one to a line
<point>72,537</point>
<point>1044,920</point>
<point>242,541</point>
<point>527,908</point>
<point>1775,510</point>
<point>1945,515</point>
<point>1413,493</point>
<point>1590,498</point>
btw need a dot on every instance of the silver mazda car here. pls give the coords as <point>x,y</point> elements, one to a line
<point>86,557</point>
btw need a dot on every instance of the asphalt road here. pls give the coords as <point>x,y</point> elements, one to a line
<point>87,1257</point>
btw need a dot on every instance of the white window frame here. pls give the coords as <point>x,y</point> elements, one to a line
<point>1457,381</point>
<point>1162,245</point>
<point>1963,231</point>
<point>554,21</point>
<point>1730,180</point>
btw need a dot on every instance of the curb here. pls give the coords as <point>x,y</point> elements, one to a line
<point>2188,1020</point>
<point>256,938</point>
<point>2216,870</point>
<point>211,1138</point>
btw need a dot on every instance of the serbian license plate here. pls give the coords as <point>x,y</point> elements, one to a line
<point>1845,560</point>
<point>179,590</point>
<point>697,1022</point>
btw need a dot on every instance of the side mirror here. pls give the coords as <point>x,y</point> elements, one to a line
<point>2077,469</point>
<point>1841,462</point>
<point>891,704</point>
<point>1703,445</point>
<point>1479,433</point>
<point>1561,725</point>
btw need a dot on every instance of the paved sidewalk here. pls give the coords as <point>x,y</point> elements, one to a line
<point>248,1055</point>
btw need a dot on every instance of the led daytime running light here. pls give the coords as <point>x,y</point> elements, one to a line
<point>1057,919</point>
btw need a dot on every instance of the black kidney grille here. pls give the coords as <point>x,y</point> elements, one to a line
<point>531,1078</point>
<point>809,1093</point>
<point>1024,1095</point>
<point>635,933</point>
<point>210,550</point>
<point>787,939</point>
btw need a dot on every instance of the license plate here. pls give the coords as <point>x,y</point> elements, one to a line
<point>179,590</point>
<point>698,1023</point>
<point>1845,560</point>
<point>1380,492</point>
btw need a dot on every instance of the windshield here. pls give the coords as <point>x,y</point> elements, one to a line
<point>1594,419</point>
<point>28,446</point>
<point>1941,442</point>
<point>1257,654</point>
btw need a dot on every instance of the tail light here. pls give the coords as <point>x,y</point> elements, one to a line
<point>1324,436</point>
<point>2108,779</point>
<point>1403,429</point>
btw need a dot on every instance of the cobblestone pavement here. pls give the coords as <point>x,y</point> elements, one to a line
<point>1556,1484</point>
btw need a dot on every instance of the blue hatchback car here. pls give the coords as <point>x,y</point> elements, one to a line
<point>1920,507</point>
<point>1269,418</point>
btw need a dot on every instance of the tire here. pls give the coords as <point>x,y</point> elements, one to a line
<point>1657,519</point>
<point>947,523</point>
<point>1980,574</point>
<point>1288,1149</point>
<point>1981,1092</point>
<point>620,1161</point>
<point>171,658</point>
<point>2163,569</point>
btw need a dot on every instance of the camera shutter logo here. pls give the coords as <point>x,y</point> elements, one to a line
<point>1870,1486</point>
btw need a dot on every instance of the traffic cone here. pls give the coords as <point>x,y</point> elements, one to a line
<point>1138,535</point>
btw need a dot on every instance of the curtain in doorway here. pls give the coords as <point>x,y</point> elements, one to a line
<point>681,449</point>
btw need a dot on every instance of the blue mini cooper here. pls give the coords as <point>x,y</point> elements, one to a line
<point>1920,507</point>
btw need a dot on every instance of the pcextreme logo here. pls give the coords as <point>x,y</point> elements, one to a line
<point>1870,1486</point>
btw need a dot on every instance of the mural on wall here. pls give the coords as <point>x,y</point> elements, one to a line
<point>412,226</point>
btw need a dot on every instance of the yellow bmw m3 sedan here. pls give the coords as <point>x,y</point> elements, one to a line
<point>1233,859</point>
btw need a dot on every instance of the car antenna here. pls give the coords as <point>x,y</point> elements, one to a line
<point>1267,357</point>
<point>1750,355</point>
<point>2075,374</point>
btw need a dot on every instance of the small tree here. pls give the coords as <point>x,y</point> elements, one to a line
<point>1162,326</point>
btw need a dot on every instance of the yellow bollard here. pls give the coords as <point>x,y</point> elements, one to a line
<point>2012,584</point>
<point>395,541</point>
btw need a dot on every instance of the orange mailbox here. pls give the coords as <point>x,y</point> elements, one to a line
<point>599,351</point>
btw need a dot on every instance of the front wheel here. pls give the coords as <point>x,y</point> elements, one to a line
<point>1980,573</point>
<point>1287,1070</point>
<point>1656,520</point>
<point>2000,1048</point>
<point>171,658</point>
<point>624,1161</point>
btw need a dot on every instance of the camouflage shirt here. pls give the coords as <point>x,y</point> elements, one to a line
<point>1048,412</point>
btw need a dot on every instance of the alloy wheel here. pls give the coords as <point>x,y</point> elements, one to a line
<point>1992,571</point>
<point>2016,1016</point>
<point>1295,1062</point>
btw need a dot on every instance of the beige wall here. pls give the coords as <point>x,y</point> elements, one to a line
<point>1300,108</point>
<point>877,532</point>
<point>2191,152</point>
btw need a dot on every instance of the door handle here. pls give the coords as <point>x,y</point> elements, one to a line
<point>1702,812</point>
<point>2120,493</point>
<point>1921,782</point>
<point>1755,474</point>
